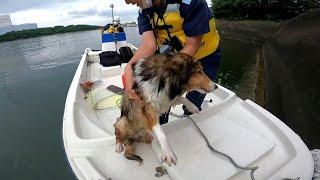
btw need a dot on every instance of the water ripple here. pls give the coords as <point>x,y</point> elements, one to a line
<point>3,83</point>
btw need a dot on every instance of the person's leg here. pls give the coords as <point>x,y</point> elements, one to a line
<point>210,65</point>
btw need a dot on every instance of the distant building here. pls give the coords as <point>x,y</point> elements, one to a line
<point>6,25</point>
<point>132,24</point>
<point>5,21</point>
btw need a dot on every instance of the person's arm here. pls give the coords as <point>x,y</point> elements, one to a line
<point>147,48</point>
<point>120,29</point>
<point>192,45</point>
<point>106,27</point>
<point>196,23</point>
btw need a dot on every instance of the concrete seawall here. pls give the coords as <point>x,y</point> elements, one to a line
<point>292,64</point>
<point>253,32</point>
<point>288,82</point>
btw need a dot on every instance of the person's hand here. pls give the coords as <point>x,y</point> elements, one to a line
<point>128,76</point>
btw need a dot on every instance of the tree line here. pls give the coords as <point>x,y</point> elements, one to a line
<point>24,34</point>
<point>274,10</point>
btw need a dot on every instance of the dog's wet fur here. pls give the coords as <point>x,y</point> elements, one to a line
<point>161,80</point>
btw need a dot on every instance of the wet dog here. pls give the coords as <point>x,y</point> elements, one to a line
<point>161,80</point>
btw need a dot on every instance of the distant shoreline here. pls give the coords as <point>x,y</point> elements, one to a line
<point>250,31</point>
<point>25,34</point>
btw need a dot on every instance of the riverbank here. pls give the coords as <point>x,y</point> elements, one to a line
<point>25,34</point>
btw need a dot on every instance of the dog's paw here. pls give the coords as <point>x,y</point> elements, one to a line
<point>119,148</point>
<point>168,157</point>
<point>193,109</point>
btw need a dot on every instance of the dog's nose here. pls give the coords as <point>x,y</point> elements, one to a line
<point>213,86</point>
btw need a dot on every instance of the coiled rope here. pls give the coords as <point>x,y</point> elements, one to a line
<point>252,169</point>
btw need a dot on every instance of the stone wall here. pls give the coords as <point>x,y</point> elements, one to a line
<point>289,72</point>
<point>292,68</point>
<point>256,32</point>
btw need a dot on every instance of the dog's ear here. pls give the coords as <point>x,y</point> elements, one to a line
<point>175,89</point>
<point>161,84</point>
<point>178,83</point>
<point>182,68</point>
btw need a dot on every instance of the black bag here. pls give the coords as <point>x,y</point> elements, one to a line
<point>126,54</point>
<point>110,58</point>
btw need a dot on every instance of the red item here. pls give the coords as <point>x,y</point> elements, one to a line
<point>123,82</point>
<point>86,86</point>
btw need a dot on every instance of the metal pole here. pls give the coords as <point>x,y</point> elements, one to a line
<point>111,5</point>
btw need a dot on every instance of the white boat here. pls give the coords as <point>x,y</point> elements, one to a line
<point>244,131</point>
<point>240,128</point>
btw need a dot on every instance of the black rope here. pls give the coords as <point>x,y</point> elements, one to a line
<point>252,169</point>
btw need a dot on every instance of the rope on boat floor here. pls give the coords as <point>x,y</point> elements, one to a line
<point>316,157</point>
<point>252,169</point>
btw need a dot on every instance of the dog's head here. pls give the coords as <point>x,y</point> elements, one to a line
<point>199,81</point>
<point>190,76</point>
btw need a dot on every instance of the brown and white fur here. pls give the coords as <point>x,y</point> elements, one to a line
<point>161,80</point>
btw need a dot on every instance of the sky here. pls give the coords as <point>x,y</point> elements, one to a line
<point>65,12</point>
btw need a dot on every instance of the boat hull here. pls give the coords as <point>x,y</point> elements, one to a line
<point>248,133</point>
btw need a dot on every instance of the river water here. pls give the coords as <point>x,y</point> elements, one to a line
<point>35,75</point>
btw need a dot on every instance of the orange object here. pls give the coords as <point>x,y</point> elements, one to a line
<point>123,82</point>
<point>86,86</point>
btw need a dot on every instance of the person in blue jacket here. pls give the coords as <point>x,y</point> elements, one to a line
<point>186,26</point>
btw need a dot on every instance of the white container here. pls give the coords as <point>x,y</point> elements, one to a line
<point>113,41</point>
<point>121,40</point>
<point>108,42</point>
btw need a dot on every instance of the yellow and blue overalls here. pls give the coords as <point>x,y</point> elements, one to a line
<point>171,26</point>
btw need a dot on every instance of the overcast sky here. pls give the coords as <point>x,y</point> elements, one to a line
<point>65,12</point>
